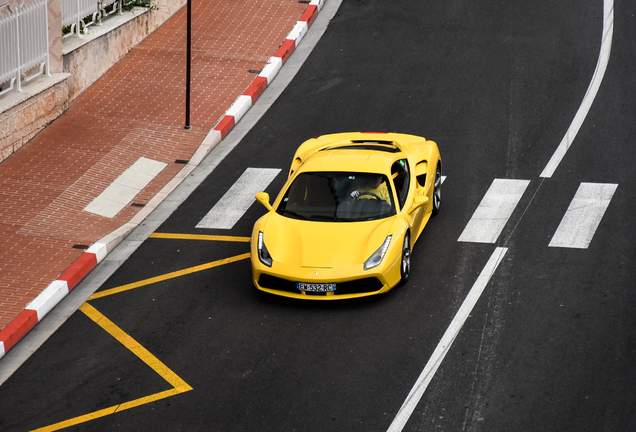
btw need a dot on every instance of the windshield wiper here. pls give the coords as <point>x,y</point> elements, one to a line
<point>322,218</point>
<point>294,214</point>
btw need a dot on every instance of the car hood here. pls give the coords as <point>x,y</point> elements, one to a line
<point>323,244</point>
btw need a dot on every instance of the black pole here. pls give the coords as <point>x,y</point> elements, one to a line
<point>188,65</point>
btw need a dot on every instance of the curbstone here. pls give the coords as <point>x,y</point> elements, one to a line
<point>48,298</point>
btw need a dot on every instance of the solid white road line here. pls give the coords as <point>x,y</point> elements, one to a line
<point>445,343</point>
<point>583,216</point>
<point>238,199</point>
<point>126,187</point>
<point>592,90</point>
<point>576,229</point>
<point>493,212</point>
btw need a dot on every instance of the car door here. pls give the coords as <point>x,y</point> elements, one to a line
<point>419,182</point>
<point>406,190</point>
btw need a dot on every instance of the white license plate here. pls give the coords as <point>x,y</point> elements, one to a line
<point>316,287</point>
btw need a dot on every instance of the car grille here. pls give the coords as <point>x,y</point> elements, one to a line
<point>359,286</point>
<point>272,282</point>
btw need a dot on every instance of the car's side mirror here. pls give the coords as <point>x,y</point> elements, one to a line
<point>418,202</point>
<point>263,198</point>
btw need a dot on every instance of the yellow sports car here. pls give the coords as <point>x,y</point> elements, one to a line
<point>347,218</point>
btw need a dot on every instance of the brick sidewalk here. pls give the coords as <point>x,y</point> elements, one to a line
<point>137,109</point>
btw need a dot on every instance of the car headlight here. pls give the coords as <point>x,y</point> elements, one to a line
<point>375,259</point>
<point>263,253</point>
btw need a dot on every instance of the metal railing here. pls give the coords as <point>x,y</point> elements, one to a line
<point>74,13</point>
<point>24,43</point>
<point>24,37</point>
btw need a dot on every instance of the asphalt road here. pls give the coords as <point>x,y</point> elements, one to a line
<point>550,344</point>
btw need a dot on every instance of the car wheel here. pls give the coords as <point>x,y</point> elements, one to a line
<point>437,191</point>
<point>405,267</point>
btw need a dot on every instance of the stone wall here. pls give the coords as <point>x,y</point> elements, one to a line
<point>55,35</point>
<point>24,120</point>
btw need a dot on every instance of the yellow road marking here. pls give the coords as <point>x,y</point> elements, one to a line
<point>179,385</point>
<point>200,237</point>
<point>167,276</point>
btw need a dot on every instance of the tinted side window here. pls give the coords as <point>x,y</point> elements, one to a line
<point>401,179</point>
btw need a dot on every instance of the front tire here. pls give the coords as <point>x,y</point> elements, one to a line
<point>405,266</point>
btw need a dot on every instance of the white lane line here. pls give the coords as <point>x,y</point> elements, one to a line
<point>238,199</point>
<point>583,216</point>
<point>493,212</point>
<point>126,187</point>
<point>592,90</point>
<point>447,340</point>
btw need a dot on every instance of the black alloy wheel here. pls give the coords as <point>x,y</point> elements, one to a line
<point>437,191</point>
<point>405,268</point>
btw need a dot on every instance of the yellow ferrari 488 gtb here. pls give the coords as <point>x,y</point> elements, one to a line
<point>345,222</point>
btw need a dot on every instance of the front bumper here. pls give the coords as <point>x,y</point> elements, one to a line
<point>350,282</point>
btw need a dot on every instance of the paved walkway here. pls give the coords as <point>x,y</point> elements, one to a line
<point>137,109</point>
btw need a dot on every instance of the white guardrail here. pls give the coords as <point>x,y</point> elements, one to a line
<point>24,37</point>
<point>24,43</point>
<point>74,12</point>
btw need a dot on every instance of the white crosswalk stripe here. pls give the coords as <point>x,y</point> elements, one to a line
<point>583,216</point>
<point>238,199</point>
<point>125,188</point>
<point>493,212</point>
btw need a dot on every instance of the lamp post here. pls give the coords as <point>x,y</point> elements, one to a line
<point>188,65</point>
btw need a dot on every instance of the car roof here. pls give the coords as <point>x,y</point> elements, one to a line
<point>354,157</point>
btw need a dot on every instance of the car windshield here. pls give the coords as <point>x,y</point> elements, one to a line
<point>338,197</point>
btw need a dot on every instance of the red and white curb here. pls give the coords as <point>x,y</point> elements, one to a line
<point>51,296</point>
<point>72,276</point>
<point>265,77</point>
